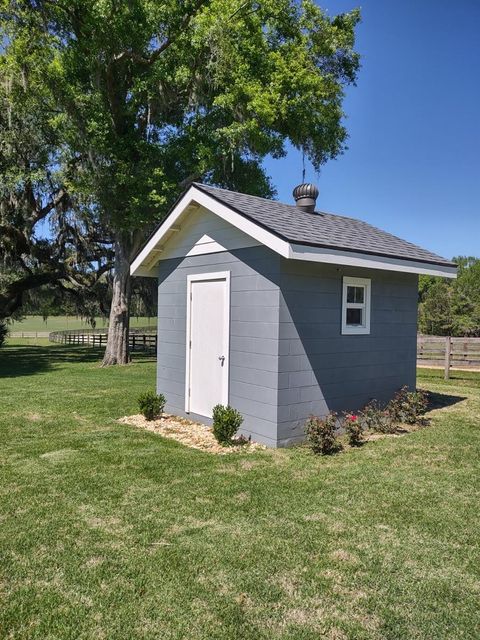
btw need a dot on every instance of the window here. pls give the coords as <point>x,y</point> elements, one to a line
<point>356,305</point>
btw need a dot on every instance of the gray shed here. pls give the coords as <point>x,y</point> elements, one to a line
<point>279,310</point>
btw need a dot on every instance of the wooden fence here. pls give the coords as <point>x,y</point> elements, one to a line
<point>29,334</point>
<point>447,352</point>
<point>139,340</point>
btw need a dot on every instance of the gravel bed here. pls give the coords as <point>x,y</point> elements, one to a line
<point>191,434</point>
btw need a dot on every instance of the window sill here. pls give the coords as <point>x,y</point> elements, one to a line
<point>355,331</point>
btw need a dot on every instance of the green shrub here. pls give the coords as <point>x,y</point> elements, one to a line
<point>320,434</point>
<point>353,429</point>
<point>374,417</point>
<point>3,332</point>
<point>151,405</point>
<point>226,422</point>
<point>408,406</point>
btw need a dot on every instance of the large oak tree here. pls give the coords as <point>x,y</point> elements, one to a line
<point>153,95</point>
<point>45,237</point>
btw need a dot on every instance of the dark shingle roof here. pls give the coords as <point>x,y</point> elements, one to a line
<point>321,229</point>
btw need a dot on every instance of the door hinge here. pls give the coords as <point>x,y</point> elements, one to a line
<point>190,344</point>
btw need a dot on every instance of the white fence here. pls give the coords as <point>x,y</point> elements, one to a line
<point>29,334</point>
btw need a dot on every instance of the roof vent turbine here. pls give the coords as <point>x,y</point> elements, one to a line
<point>306,195</point>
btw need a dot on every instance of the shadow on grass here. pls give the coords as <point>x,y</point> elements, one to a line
<point>26,360</point>
<point>442,400</point>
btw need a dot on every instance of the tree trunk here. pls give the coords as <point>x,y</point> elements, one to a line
<point>117,351</point>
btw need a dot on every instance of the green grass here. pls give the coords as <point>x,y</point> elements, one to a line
<point>110,532</point>
<point>59,323</point>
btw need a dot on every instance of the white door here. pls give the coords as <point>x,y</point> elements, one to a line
<point>208,319</point>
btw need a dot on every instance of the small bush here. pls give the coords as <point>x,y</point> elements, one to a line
<point>320,434</point>
<point>151,405</point>
<point>354,430</point>
<point>373,417</point>
<point>3,332</point>
<point>408,406</point>
<point>226,422</point>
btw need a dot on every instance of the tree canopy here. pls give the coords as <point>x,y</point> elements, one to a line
<point>451,307</point>
<point>45,237</point>
<point>149,96</point>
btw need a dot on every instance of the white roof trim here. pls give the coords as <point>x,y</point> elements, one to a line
<point>355,259</point>
<point>151,254</point>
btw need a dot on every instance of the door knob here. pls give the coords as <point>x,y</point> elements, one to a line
<point>222,359</point>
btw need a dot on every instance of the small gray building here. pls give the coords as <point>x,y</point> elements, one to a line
<point>280,310</point>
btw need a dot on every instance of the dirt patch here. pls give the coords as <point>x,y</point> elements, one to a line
<point>191,434</point>
<point>401,430</point>
<point>288,583</point>
<point>243,496</point>
<point>343,556</point>
<point>95,561</point>
<point>60,455</point>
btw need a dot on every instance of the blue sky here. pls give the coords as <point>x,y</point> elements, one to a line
<point>413,163</point>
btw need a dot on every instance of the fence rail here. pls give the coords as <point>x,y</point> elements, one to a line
<point>29,334</point>
<point>458,353</point>
<point>139,339</point>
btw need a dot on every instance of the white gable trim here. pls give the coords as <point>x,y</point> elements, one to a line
<point>146,261</point>
<point>204,245</point>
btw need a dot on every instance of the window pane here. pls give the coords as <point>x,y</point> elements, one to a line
<point>355,294</point>
<point>359,292</point>
<point>355,316</point>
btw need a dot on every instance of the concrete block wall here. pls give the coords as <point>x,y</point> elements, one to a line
<point>320,369</point>
<point>254,333</point>
<point>288,358</point>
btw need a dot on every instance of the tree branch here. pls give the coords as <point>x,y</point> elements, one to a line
<point>136,57</point>
<point>53,203</point>
<point>12,300</point>
<point>16,236</point>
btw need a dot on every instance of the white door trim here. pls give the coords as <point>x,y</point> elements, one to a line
<point>200,277</point>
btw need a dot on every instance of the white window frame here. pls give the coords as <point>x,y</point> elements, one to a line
<point>366,283</point>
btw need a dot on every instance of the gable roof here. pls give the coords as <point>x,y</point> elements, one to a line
<point>296,234</point>
<point>321,229</point>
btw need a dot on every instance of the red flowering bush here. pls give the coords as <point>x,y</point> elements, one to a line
<point>320,434</point>
<point>354,429</point>
<point>408,406</point>
<point>373,417</point>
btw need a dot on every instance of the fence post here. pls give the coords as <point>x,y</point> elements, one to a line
<point>448,356</point>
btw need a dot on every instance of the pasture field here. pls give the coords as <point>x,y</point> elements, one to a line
<point>60,323</point>
<point>111,532</point>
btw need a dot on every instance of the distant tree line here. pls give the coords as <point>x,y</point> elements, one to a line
<point>451,307</point>
<point>50,300</point>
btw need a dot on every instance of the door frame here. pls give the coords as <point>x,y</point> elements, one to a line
<point>200,277</point>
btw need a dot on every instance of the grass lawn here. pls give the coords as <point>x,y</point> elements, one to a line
<point>59,323</point>
<point>111,532</point>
